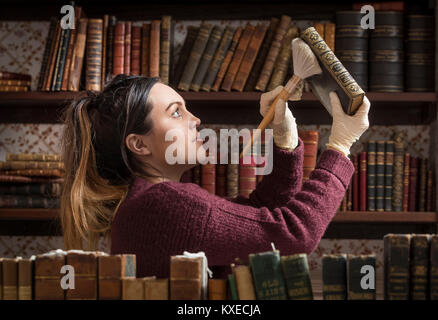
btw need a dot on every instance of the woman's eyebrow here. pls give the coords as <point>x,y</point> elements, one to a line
<point>170,104</point>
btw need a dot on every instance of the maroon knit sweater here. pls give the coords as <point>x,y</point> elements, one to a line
<point>158,220</point>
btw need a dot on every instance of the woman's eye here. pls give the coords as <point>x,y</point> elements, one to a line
<point>177,113</point>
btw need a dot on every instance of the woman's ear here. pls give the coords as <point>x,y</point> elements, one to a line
<point>137,144</point>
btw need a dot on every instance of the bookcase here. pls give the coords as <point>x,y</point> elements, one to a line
<point>404,108</point>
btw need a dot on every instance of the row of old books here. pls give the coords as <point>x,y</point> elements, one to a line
<point>388,178</point>
<point>12,81</point>
<point>231,180</point>
<point>98,49</point>
<point>31,180</point>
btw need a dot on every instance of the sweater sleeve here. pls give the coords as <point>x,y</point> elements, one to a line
<point>283,182</point>
<point>294,226</point>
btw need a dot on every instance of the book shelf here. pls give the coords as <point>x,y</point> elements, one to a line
<point>404,108</point>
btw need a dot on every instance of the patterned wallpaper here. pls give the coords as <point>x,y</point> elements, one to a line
<point>21,49</point>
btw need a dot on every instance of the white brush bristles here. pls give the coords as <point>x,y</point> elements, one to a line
<point>304,61</point>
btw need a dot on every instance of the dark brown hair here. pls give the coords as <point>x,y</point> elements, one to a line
<point>98,166</point>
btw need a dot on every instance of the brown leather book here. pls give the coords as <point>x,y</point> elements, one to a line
<point>413,180</point>
<point>283,61</point>
<point>20,165</point>
<point>192,33</point>
<point>77,59</point>
<point>110,48</point>
<point>329,35</point>
<point>47,276</point>
<point>217,289</point>
<point>93,70</point>
<point>208,177</point>
<point>274,50</point>
<point>422,176</point>
<point>13,88</point>
<point>244,282</point>
<point>320,28</point>
<point>218,58</point>
<point>165,44</point>
<point>238,57</point>
<point>261,56</point>
<point>10,278</point>
<point>32,157</point>
<point>249,57</point>
<point>145,42</point>
<point>45,59</point>
<point>85,266</point>
<point>156,289</point>
<point>227,60</point>
<point>310,140</point>
<point>104,47</point>
<point>195,56</point>
<point>52,58</point>
<point>72,40</point>
<point>207,56</point>
<point>111,270</point>
<point>154,53</point>
<point>25,276</point>
<point>128,40</point>
<point>35,172</point>
<point>185,278</point>
<point>133,289</point>
<point>119,48</point>
<point>429,197</point>
<point>232,180</point>
<point>406,174</point>
<point>221,179</point>
<point>135,53</point>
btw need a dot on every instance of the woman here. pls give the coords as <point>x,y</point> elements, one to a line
<point>118,182</point>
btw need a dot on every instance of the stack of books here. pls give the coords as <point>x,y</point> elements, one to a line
<point>10,81</point>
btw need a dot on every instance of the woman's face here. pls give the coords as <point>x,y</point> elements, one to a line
<point>170,116</point>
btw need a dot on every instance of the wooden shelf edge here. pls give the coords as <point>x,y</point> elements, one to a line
<point>341,217</point>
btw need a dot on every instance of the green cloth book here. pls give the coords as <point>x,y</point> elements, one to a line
<point>297,277</point>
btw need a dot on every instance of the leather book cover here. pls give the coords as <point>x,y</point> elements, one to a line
<point>247,178</point>
<point>10,278</point>
<point>208,177</point>
<point>433,274</point>
<point>355,263</point>
<point>25,277</point>
<point>429,191</point>
<point>192,33</point>
<point>329,35</point>
<point>93,70</point>
<point>274,51</point>
<point>47,276</point>
<point>397,184</point>
<point>111,270</point>
<point>244,282</point>
<point>334,276</point>
<point>396,266</point>
<point>128,43</point>
<point>422,176</point>
<point>133,289</point>
<point>380,176</point>
<point>296,275</point>
<point>119,48</point>
<point>156,289</point>
<point>221,179</point>
<point>413,186</point>
<point>135,52</point>
<point>52,58</point>
<point>371,175</point>
<point>77,59</point>
<point>419,266</point>
<point>217,289</point>
<point>363,182</point>
<point>46,55</point>
<point>165,48</point>
<point>154,53</point>
<point>406,178</point>
<point>110,47</point>
<point>145,43</point>
<point>356,183</point>
<point>389,164</point>
<point>310,139</point>
<point>32,157</point>
<point>185,278</point>
<point>85,266</point>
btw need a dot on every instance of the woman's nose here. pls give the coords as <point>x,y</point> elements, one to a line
<point>196,121</point>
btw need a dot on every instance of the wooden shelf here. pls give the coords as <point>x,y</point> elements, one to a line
<point>341,217</point>
<point>230,107</point>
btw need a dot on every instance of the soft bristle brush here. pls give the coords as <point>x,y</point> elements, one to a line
<point>305,65</point>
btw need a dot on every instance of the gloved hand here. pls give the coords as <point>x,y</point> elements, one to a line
<point>283,125</point>
<point>347,129</point>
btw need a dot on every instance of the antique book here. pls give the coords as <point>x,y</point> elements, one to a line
<point>119,48</point>
<point>233,287</point>
<point>419,266</point>
<point>195,56</point>
<point>154,53</point>
<point>371,175</point>
<point>334,76</point>
<point>25,277</point>
<point>283,61</point>
<point>249,57</point>
<point>274,50</point>
<point>26,201</point>
<point>396,266</point>
<point>44,189</point>
<point>128,42</point>
<point>133,289</point>
<point>389,163</point>
<point>5,75</point>
<point>218,58</point>
<point>422,176</point>
<point>93,70</point>
<point>208,177</point>
<point>386,53</point>
<point>406,175</point>
<point>227,60</point>
<point>334,276</point>
<point>22,165</point>
<point>261,56</point>
<point>77,58</point>
<point>244,282</point>
<point>186,278</point>
<point>355,183</point>
<point>135,50</point>
<point>433,274</point>
<point>10,278</point>
<point>165,48</point>
<point>156,289</point>
<point>267,275</point>
<point>60,60</point>
<point>145,43</point>
<point>397,185</point>
<point>207,56</point>
<point>217,289</point>
<point>232,180</point>
<point>247,176</point>
<point>85,266</point>
<point>35,172</point>
<point>192,33</point>
<point>45,59</point>
<point>52,58</point>
<point>329,35</point>
<point>413,184</point>
<point>355,275</point>
<point>221,179</point>
<point>310,140</point>
<point>47,275</point>
<point>429,192</point>
<point>297,277</point>
<point>111,270</point>
<point>233,68</point>
<point>110,47</point>
<point>363,181</point>
<point>32,157</point>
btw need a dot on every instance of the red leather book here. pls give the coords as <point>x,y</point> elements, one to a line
<point>145,42</point>
<point>363,181</point>
<point>208,177</point>
<point>119,48</point>
<point>413,177</point>
<point>356,183</point>
<point>154,49</point>
<point>135,53</point>
<point>406,182</point>
<point>310,139</point>
<point>127,60</point>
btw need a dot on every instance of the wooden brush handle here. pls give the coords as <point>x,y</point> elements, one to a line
<point>269,116</point>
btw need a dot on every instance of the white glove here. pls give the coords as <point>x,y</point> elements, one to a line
<point>347,129</point>
<point>283,125</point>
